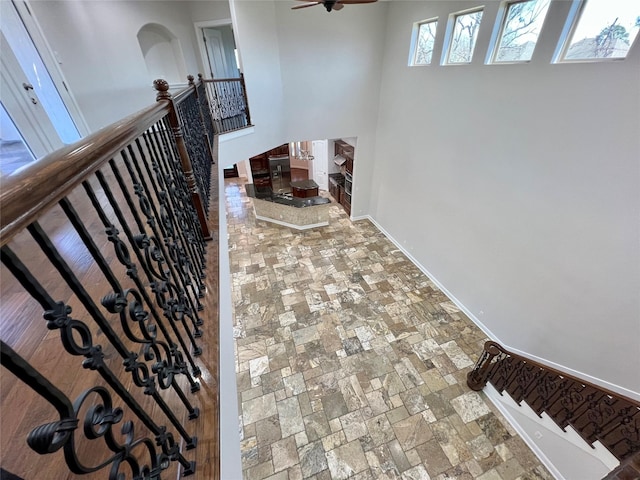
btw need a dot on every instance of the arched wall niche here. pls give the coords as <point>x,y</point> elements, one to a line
<point>162,53</point>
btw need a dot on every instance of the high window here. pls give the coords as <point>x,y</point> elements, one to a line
<point>424,37</point>
<point>462,33</point>
<point>600,29</point>
<point>519,31</point>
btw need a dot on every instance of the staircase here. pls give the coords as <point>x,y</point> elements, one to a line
<point>595,413</point>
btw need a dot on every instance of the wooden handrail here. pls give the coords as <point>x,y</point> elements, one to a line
<point>43,183</point>
<point>182,94</point>
<point>596,413</point>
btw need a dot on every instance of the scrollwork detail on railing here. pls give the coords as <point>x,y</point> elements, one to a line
<point>144,244</point>
<point>98,422</point>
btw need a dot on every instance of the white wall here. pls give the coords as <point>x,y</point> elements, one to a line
<point>331,67</point>
<point>254,24</point>
<point>98,49</point>
<point>527,181</point>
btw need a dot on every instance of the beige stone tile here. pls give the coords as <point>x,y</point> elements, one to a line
<point>397,414</point>
<point>346,460</point>
<point>333,440</point>
<point>258,408</point>
<point>412,431</point>
<point>259,472</point>
<point>353,425</point>
<point>284,454</point>
<point>510,470</point>
<point>490,475</point>
<point>346,352</point>
<point>470,406</point>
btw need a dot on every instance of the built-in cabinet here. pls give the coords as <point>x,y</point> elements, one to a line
<point>341,184</point>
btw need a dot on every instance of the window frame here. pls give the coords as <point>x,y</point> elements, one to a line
<point>451,24</point>
<point>564,43</point>
<point>498,32</point>
<point>415,33</point>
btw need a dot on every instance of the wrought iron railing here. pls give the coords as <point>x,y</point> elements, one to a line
<point>228,103</point>
<point>105,240</point>
<point>595,413</point>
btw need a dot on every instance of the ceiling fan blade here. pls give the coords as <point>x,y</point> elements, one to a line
<point>306,5</point>
<point>337,6</point>
<point>352,2</point>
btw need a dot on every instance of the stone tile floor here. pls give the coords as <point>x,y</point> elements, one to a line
<point>351,363</point>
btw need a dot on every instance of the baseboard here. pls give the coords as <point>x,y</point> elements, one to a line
<point>596,381</point>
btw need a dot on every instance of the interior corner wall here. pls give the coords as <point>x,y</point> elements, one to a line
<point>331,67</point>
<point>254,25</point>
<point>527,181</point>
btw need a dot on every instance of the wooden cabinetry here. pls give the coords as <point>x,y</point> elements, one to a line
<point>304,192</point>
<point>333,187</point>
<point>260,165</point>
<point>344,185</point>
<point>260,170</point>
<point>346,151</point>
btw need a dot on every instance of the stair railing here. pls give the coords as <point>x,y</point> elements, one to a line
<point>105,240</point>
<point>595,413</point>
<point>228,103</point>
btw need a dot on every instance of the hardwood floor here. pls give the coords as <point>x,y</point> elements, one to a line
<point>23,328</point>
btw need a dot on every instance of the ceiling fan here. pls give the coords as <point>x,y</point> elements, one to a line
<point>332,4</point>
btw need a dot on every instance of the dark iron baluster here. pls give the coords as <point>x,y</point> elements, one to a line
<point>245,100</point>
<point>215,106</point>
<point>197,148</point>
<point>177,129</point>
<point>172,169</point>
<point>71,330</point>
<point>173,308</point>
<point>219,105</point>
<point>150,210</point>
<point>139,371</point>
<point>145,242</point>
<point>51,437</point>
<point>180,219</point>
<point>181,216</point>
<point>175,238</point>
<point>153,347</point>
<point>205,110</point>
<point>140,189</point>
<point>234,87</point>
<point>176,186</point>
<point>173,213</point>
<point>193,123</point>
